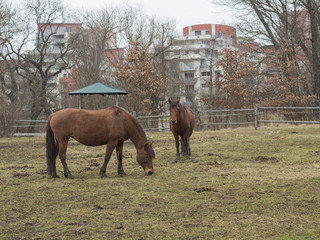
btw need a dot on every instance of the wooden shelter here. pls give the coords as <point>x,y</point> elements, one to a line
<point>98,89</point>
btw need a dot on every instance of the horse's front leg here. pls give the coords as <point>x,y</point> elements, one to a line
<point>109,151</point>
<point>183,147</point>
<point>63,156</point>
<point>119,156</point>
<point>176,137</point>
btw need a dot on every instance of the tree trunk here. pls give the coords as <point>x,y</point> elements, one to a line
<point>315,38</point>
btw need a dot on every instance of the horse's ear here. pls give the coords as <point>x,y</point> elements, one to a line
<point>169,101</point>
<point>147,145</point>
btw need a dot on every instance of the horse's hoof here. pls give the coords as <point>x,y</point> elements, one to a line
<point>54,176</point>
<point>103,175</point>
<point>123,174</point>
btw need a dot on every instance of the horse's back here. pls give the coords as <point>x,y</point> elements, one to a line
<point>63,120</point>
<point>191,119</point>
<point>89,127</point>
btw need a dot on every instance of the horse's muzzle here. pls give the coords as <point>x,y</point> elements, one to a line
<point>174,122</point>
<point>149,173</point>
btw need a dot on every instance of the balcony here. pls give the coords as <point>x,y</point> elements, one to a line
<point>189,80</point>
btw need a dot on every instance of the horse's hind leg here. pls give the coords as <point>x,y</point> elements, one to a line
<point>188,146</point>
<point>119,156</point>
<point>62,156</point>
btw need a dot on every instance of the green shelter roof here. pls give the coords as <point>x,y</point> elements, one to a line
<point>98,88</point>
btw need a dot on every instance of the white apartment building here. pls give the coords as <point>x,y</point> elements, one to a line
<point>190,58</point>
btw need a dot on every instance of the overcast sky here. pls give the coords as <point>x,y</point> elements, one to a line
<point>185,12</point>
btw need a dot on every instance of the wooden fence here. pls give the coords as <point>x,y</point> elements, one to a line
<point>258,116</point>
<point>207,119</point>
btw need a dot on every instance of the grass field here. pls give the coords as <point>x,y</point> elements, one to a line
<point>238,184</point>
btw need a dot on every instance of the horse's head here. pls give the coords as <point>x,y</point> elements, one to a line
<point>144,158</point>
<point>175,108</point>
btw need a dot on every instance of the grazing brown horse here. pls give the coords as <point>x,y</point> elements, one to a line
<point>182,123</point>
<point>111,126</point>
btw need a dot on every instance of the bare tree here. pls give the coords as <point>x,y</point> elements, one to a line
<point>38,60</point>
<point>163,38</point>
<point>8,81</point>
<point>313,53</point>
<point>9,84</point>
<point>98,52</point>
<point>137,26</point>
<point>286,23</point>
<point>141,79</point>
<point>156,35</point>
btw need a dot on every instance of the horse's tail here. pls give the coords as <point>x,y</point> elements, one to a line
<point>51,151</point>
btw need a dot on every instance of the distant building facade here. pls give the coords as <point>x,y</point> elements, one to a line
<point>67,80</point>
<point>193,58</point>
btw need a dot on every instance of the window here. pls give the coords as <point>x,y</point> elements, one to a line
<point>203,85</point>
<point>196,51</point>
<point>205,74</point>
<point>218,74</point>
<point>68,29</point>
<point>197,32</point>
<point>188,101</point>
<point>307,32</point>
<point>190,87</point>
<point>189,75</point>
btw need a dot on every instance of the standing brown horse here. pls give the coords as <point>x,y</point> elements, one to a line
<point>111,126</point>
<point>182,123</point>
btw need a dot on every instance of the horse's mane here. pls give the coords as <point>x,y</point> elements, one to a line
<point>135,122</point>
<point>176,104</point>
<point>138,125</point>
<point>143,134</point>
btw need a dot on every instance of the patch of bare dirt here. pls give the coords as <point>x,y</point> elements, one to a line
<point>19,167</point>
<point>94,163</point>
<point>216,163</point>
<point>42,172</point>
<point>266,159</point>
<point>204,189</point>
<point>87,169</point>
<point>20,174</point>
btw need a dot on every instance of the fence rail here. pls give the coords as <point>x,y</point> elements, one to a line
<point>205,120</point>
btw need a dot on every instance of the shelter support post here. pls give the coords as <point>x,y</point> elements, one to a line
<point>80,101</point>
<point>256,116</point>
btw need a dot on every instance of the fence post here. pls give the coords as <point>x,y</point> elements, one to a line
<point>256,119</point>
<point>197,120</point>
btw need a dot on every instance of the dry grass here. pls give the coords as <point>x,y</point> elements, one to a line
<point>238,184</point>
